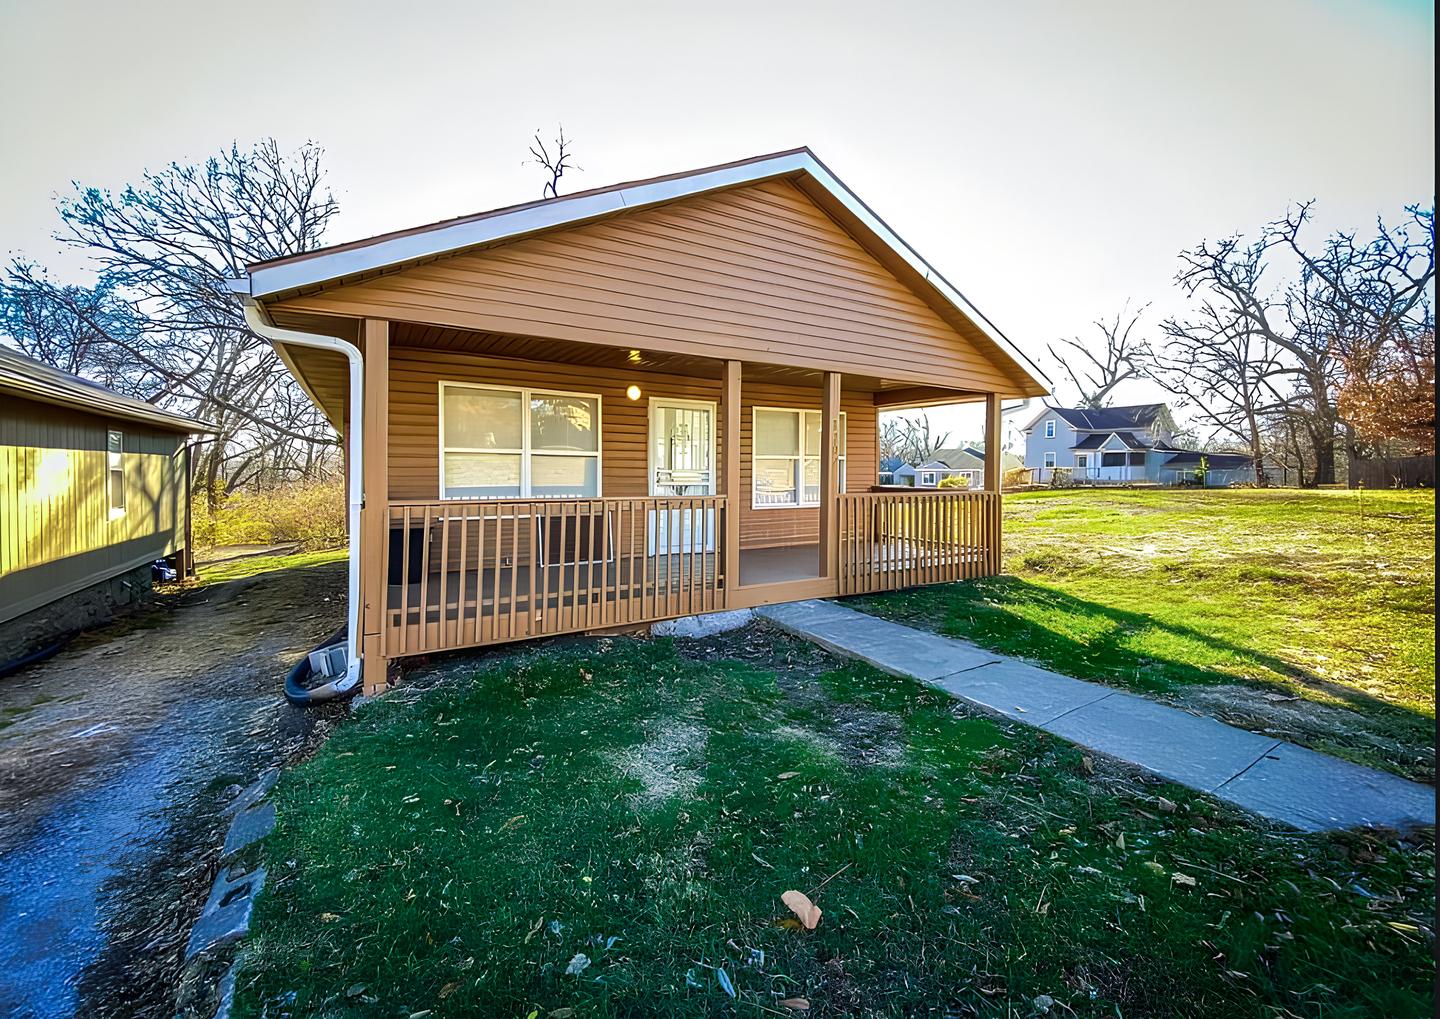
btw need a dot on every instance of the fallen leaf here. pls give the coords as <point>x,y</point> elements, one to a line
<point>764,863</point>
<point>578,965</point>
<point>725,984</point>
<point>1183,879</point>
<point>561,1013</point>
<point>1120,841</point>
<point>1166,806</point>
<point>328,918</point>
<point>802,907</point>
<point>448,990</point>
<point>786,774</point>
<point>1152,865</point>
<point>1088,763</point>
<point>534,930</point>
<point>797,1004</point>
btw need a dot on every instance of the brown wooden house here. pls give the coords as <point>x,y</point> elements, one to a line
<point>635,403</point>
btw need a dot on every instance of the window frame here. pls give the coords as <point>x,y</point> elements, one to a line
<point>1049,458</point>
<point>799,459</point>
<point>927,478</point>
<point>1050,428</point>
<point>525,451</point>
<point>115,464</point>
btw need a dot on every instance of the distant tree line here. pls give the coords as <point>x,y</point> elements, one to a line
<point>1339,361</point>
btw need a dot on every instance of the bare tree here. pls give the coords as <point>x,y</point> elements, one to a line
<point>909,439</point>
<point>164,249</point>
<point>1122,355</point>
<point>554,164</point>
<point>1221,363</point>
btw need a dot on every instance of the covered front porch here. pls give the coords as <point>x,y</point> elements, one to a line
<point>734,484</point>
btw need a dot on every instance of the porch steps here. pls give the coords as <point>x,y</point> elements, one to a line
<point>1277,780</point>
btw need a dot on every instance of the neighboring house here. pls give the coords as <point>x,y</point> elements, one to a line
<point>966,462</point>
<point>631,404</point>
<point>1122,445</point>
<point>94,487</point>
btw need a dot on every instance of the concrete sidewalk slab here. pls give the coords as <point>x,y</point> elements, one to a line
<point>1195,751</point>
<point>890,647</point>
<point>1022,691</point>
<point>1316,792</point>
<point>1280,781</point>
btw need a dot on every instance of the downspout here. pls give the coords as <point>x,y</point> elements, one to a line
<point>259,321</point>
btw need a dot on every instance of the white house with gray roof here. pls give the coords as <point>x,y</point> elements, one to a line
<point>1122,445</point>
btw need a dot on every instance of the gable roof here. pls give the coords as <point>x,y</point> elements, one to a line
<point>400,248</point>
<point>1214,461</point>
<point>35,380</point>
<point>1106,419</point>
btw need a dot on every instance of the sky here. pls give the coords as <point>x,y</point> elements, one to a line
<point>1050,159</point>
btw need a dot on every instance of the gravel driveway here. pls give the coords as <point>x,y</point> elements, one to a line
<point>118,758</point>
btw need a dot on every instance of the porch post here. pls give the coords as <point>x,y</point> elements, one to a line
<point>992,442</point>
<point>374,419</point>
<point>829,474</point>
<point>730,473</point>
<point>993,475</point>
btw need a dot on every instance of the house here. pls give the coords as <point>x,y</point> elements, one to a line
<point>967,462</point>
<point>94,487</point>
<point>1122,445</point>
<point>633,403</point>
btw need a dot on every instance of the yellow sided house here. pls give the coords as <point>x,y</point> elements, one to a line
<point>634,403</point>
<point>94,487</point>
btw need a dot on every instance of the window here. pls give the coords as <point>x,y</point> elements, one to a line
<point>498,442</point>
<point>1050,429</point>
<point>1050,459</point>
<point>115,471</point>
<point>927,477</point>
<point>1082,460</point>
<point>785,458</point>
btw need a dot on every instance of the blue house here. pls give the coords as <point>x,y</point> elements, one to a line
<point>1122,445</point>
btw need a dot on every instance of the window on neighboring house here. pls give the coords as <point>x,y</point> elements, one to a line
<point>1050,429</point>
<point>115,470</point>
<point>927,477</point>
<point>500,442</point>
<point>1082,461</point>
<point>785,461</point>
<point>1050,459</point>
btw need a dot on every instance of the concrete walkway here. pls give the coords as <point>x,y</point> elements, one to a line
<point>1281,781</point>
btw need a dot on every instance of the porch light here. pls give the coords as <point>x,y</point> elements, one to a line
<point>632,391</point>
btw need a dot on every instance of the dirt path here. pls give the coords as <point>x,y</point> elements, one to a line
<point>117,760</point>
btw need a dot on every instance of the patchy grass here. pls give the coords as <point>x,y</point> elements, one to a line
<point>1324,601</point>
<point>643,806</point>
<point>237,569</point>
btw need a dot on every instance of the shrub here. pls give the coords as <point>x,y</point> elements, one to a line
<point>312,514</point>
<point>954,481</point>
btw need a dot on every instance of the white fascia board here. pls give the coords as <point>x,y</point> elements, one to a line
<point>896,243</point>
<point>323,268</point>
<point>542,216</point>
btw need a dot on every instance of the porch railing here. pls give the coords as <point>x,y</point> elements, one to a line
<point>467,572</point>
<point>890,540</point>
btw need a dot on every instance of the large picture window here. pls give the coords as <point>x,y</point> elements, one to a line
<point>499,442</point>
<point>785,457</point>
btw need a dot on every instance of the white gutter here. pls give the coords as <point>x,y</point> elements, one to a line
<point>259,321</point>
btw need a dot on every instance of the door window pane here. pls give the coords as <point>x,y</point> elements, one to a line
<point>560,477</point>
<point>482,418</point>
<point>777,433</point>
<point>482,475</point>
<point>564,422</point>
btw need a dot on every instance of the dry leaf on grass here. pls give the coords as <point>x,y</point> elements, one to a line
<point>797,1004</point>
<point>1183,879</point>
<point>802,907</point>
<point>786,774</point>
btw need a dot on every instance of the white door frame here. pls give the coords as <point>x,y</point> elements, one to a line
<point>676,529</point>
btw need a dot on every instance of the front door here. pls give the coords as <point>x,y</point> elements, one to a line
<point>682,463</point>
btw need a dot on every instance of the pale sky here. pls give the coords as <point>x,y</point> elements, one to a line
<point>1049,158</point>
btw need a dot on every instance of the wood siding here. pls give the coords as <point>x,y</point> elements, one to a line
<point>758,273</point>
<point>415,375</point>
<point>57,534</point>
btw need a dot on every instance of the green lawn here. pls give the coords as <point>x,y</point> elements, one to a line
<point>1308,614</point>
<point>644,805</point>
<point>251,566</point>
